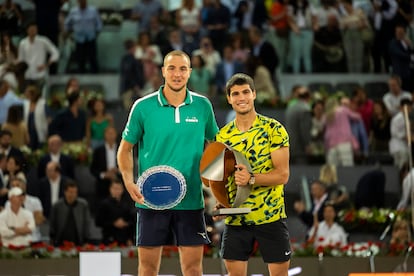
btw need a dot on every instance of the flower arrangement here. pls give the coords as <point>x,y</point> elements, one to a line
<point>44,250</point>
<point>112,18</point>
<point>363,249</point>
<point>368,219</point>
<point>57,99</point>
<point>79,151</point>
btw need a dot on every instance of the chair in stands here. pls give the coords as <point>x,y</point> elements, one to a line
<point>370,190</point>
<point>346,87</point>
<point>322,87</point>
<point>376,90</point>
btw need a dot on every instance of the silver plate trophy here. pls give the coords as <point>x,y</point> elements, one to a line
<point>163,187</point>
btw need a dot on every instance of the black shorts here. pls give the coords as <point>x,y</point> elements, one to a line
<point>171,227</point>
<point>272,238</point>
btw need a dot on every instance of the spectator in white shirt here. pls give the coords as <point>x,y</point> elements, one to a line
<point>327,232</point>
<point>398,145</point>
<point>393,98</point>
<point>407,189</point>
<point>38,52</point>
<point>32,204</point>
<point>16,223</point>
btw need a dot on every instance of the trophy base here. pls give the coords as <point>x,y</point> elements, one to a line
<point>231,211</point>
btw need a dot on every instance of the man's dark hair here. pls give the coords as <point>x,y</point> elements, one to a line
<point>73,97</point>
<point>128,44</point>
<point>239,79</point>
<point>405,101</point>
<point>70,184</point>
<point>5,132</point>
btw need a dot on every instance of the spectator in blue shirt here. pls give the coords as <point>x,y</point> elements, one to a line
<point>85,24</point>
<point>7,99</point>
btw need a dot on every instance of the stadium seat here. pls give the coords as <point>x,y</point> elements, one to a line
<point>346,87</point>
<point>321,87</point>
<point>376,90</point>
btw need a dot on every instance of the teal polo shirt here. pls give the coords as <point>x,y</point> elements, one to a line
<point>173,136</point>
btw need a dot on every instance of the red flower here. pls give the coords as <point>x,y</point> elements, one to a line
<point>131,254</point>
<point>320,249</point>
<point>16,247</point>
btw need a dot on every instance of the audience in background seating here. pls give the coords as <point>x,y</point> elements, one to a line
<point>3,184</point>
<point>70,123</point>
<point>401,51</point>
<point>316,145</point>
<point>17,126</point>
<point>116,216</point>
<point>407,176</point>
<point>70,219</point>
<point>319,198</point>
<point>360,142</point>
<point>299,124</point>
<point>36,116</point>
<point>131,75</point>
<point>50,188</point>
<point>188,19</point>
<point>401,234</point>
<point>338,195</point>
<point>302,22</point>
<point>103,165</point>
<point>98,120</point>
<point>14,169</point>
<point>210,55</point>
<point>16,223</point>
<point>11,17</point>
<point>338,135</point>
<point>38,52</point>
<point>327,232</point>
<point>149,54</point>
<point>225,69</point>
<point>31,203</point>
<point>392,98</point>
<point>380,134</point>
<point>201,80</point>
<point>54,153</point>
<point>263,50</point>
<point>84,23</point>
<point>7,99</point>
<point>398,145</point>
<point>143,12</point>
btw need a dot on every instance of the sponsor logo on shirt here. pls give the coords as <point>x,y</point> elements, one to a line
<point>191,120</point>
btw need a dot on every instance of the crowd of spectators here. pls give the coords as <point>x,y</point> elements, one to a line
<point>261,38</point>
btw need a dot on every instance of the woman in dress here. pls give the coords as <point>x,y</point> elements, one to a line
<point>97,123</point>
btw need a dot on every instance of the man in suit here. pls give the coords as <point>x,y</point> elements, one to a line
<point>402,56</point>
<point>103,165</point>
<point>3,186</point>
<point>319,195</point>
<point>5,145</point>
<point>54,147</point>
<point>50,187</point>
<point>70,218</point>
<point>264,50</point>
<point>227,68</point>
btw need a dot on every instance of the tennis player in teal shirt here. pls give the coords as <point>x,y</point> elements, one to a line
<point>170,127</point>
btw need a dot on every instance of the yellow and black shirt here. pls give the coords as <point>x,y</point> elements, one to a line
<point>256,144</point>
